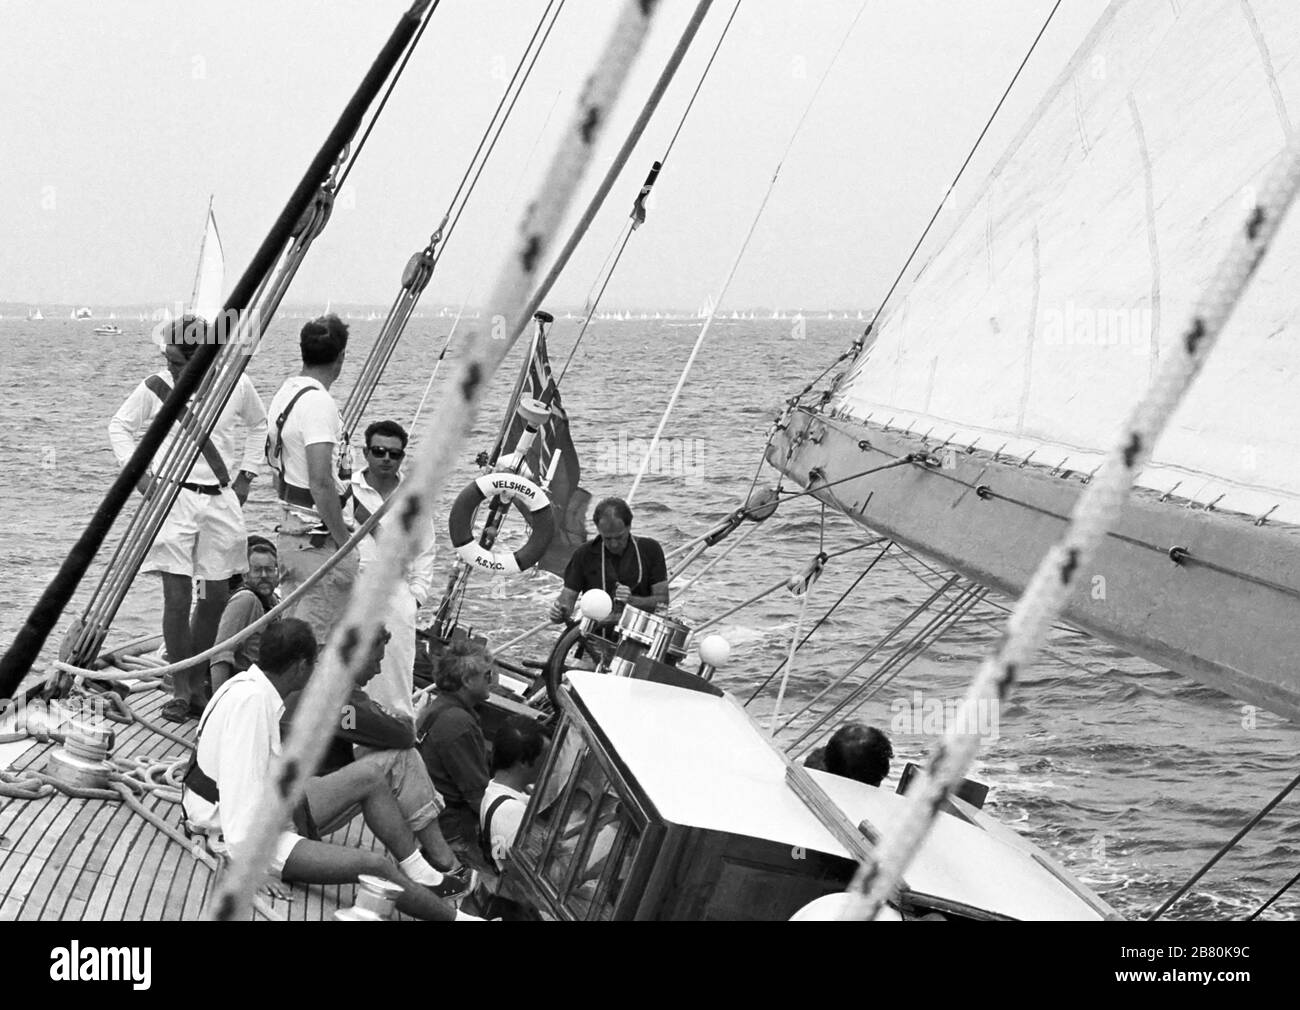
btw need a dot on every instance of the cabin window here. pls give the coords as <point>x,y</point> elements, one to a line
<point>617,866</point>
<point>581,837</point>
<point>585,797</point>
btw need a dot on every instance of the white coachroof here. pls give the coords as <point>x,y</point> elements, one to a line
<point>705,764</point>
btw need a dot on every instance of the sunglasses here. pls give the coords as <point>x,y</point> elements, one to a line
<point>386,453</point>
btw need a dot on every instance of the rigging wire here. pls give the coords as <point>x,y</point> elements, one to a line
<point>1225,849</point>
<point>857,345</point>
<point>419,269</point>
<point>821,620</point>
<point>740,254</point>
<point>383,101</point>
<point>460,313</point>
<point>597,200</point>
<point>971,154</point>
<point>663,160</point>
<point>1277,894</point>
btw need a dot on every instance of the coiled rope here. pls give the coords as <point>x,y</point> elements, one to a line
<point>454,418</point>
<point>1098,507</point>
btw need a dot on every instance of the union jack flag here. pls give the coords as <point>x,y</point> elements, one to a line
<point>553,447</point>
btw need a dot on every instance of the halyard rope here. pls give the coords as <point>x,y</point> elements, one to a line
<point>1097,509</point>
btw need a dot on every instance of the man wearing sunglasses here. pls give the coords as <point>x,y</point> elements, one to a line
<point>384,450</point>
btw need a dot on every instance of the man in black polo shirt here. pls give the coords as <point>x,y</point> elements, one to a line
<point>631,569</point>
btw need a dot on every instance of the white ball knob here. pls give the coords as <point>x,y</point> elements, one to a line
<point>715,650</point>
<point>595,604</point>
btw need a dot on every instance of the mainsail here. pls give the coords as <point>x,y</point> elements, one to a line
<point>206,298</point>
<point>1041,318</point>
<point>1000,376</point>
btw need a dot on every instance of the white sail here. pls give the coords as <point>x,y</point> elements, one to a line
<point>1040,320</point>
<point>206,298</point>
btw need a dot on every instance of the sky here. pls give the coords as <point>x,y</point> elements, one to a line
<point>120,118</point>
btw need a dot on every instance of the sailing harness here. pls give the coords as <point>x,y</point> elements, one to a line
<point>293,494</point>
<point>533,505</point>
<point>157,385</point>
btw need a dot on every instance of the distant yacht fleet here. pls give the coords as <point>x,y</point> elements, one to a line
<point>615,316</point>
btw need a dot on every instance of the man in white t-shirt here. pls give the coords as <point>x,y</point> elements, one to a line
<point>309,460</point>
<point>234,762</point>
<point>203,536</point>
<point>385,448</point>
<point>518,753</point>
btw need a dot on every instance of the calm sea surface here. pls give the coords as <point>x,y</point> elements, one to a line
<point>1130,775</point>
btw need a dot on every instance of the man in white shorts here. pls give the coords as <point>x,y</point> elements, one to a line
<point>203,536</point>
<point>312,471</point>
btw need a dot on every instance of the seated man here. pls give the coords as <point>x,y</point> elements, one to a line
<point>631,569</point>
<point>231,768</point>
<point>248,604</point>
<point>452,743</point>
<point>369,734</point>
<point>518,753</point>
<point>858,751</point>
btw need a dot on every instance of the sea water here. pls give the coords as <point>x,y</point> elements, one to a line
<point>1128,774</point>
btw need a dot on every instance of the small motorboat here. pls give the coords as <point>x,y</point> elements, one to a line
<point>108,330</point>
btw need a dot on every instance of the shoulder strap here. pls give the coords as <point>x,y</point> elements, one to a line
<point>274,451</point>
<point>157,385</point>
<point>492,809</point>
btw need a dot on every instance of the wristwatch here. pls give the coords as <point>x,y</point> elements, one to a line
<point>249,474</point>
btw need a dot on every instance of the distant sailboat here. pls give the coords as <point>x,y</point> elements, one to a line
<point>35,315</point>
<point>206,298</point>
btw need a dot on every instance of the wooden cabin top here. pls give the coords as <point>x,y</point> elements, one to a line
<point>704,763</point>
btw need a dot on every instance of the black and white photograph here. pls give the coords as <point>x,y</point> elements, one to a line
<point>651,460</point>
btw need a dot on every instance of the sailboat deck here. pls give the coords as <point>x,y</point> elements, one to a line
<point>63,858</point>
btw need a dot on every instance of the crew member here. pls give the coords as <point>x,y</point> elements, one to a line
<point>385,448</point>
<point>305,448</point>
<point>631,569</point>
<point>232,766</point>
<point>248,604</point>
<point>518,753</point>
<point>203,536</point>
<point>452,742</point>
<point>369,734</point>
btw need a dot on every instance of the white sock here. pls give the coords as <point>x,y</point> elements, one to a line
<point>415,867</point>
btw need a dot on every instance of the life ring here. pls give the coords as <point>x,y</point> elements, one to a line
<point>532,503</point>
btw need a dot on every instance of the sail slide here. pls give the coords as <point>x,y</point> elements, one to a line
<point>1040,320</point>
